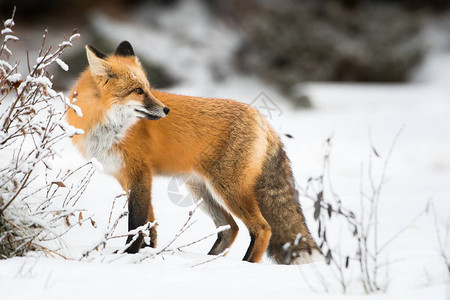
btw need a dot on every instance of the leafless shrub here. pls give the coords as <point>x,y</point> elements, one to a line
<point>144,230</point>
<point>361,230</point>
<point>443,237</point>
<point>286,42</point>
<point>31,128</point>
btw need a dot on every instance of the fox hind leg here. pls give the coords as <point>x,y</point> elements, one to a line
<point>218,214</point>
<point>243,205</point>
<point>259,229</point>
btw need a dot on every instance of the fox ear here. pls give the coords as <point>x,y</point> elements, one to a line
<point>99,66</point>
<point>124,49</point>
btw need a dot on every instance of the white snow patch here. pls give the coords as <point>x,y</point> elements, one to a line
<point>62,64</point>
<point>14,77</point>
<point>10,37</point>
<point>9,23</point>
<point>6,31</point>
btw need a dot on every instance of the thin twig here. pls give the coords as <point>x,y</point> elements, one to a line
<point>225,252</point>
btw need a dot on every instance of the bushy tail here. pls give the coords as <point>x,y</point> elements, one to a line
<point>280,206</point>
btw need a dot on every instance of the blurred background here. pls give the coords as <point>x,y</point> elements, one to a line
<point>283,43</point>
<point>314,68</point>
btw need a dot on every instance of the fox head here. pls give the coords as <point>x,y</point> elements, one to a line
<point>122,83</point>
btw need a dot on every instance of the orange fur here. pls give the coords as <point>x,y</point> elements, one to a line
<point>223,142</point>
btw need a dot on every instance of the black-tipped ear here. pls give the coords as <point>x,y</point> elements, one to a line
<point>124,49</point>
<point>99,66</point>
<point>97,52</point>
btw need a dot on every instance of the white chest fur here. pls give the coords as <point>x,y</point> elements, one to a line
<point>102,138</point>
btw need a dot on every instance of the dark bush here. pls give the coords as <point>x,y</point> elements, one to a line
<point>292,41</point>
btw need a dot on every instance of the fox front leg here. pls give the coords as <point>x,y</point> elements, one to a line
<point>140,211</point>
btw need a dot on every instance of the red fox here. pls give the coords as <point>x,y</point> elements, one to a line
<point>244,173</point>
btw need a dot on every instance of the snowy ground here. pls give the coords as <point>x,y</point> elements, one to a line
<point>419,170</point>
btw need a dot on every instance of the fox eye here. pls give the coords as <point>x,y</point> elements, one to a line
<point>139,91</point>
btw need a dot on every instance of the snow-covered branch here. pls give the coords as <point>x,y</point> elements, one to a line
<point>32,127</point>
<point>365,251</point>
<point>169,248</point>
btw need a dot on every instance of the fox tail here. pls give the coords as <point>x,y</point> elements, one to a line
<point>291,241</point>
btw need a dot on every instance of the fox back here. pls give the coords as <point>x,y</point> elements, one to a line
<point>225,151</point>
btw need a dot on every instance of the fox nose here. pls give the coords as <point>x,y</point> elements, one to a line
<point>166,110</point>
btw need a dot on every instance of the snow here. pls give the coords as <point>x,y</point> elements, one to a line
<point>40,59</point>
<point>6,30</point>
<point>14,77</point>
<point>70,130</point>
<point>75,108</point>
<point>74,37</point>
<point>5,64</point>
<point>9,23</point>
<point>98,165</point>
<point>9,37</point>
<point>48,278</point>
<point>65,43</point>
<point>7,49</point>
<point>62,64</point>
<point>41,80</point>
<point>355,114</point>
